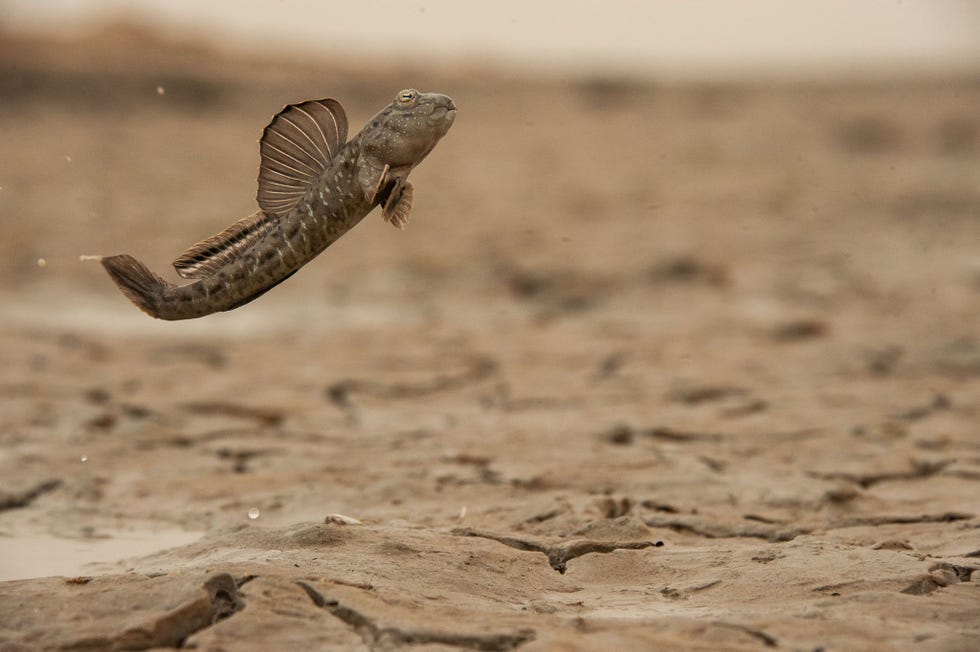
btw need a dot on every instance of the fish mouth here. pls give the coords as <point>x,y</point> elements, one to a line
<point>443,114</point>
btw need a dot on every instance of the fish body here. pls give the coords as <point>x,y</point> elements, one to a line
<point>314,186</point>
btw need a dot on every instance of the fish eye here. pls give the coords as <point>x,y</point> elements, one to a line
<point>407,96</point>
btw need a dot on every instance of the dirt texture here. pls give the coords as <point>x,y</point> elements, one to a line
<point>653,367</point>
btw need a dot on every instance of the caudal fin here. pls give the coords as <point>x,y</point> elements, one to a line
<point>139,284</point>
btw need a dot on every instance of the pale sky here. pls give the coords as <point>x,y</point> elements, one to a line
<point>662,37</point>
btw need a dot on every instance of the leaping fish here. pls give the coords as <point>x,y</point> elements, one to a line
<point>314,186</point>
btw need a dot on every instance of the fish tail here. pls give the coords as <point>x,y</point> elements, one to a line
<point>139,284</point>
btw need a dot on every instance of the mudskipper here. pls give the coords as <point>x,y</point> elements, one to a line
<point>314,186</point>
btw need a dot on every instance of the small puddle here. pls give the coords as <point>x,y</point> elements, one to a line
<point>26,557</point>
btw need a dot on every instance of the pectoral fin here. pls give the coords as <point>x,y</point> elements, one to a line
<point>393,193</point>
<point>398,206</point>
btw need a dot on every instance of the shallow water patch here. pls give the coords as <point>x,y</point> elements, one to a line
<point>29,556</point>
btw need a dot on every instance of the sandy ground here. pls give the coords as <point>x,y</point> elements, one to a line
<point>677,367</point>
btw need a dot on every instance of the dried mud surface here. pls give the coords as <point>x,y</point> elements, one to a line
<point>676,367</point>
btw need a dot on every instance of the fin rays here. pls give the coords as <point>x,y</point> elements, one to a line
<point>295,149</point>
<point>139,284</point>
<point>398,206</point>
<point>207,256</point>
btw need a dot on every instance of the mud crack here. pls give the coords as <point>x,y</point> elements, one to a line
<point>373,634</point>
<point>559,555</point>
<point>919,471</point>
<point>624,434</point>
<point>768,640</point>
<point>754,529</point>
<point>263,416</point>
<point>477,369</point>
<point>219,599</point>
<point>942,517</point>
<point>776,534</point>
<point>939,403</point>
<point>21,499</point>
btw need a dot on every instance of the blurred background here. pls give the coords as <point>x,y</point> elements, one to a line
<point>704,38</point>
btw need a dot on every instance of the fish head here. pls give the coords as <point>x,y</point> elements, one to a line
<point>406,130</point>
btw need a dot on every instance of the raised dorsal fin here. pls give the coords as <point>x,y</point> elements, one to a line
<point>295,148</point>
<point>207,256</point>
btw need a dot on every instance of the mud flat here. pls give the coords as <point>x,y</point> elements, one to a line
<point>688,367</point>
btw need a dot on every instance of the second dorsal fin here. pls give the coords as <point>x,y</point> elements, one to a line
<point>207,256</point>
<point>295,149</point>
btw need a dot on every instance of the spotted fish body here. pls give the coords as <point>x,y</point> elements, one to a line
<point>313,188</point>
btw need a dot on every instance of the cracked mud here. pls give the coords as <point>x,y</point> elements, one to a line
<point>374,634</point>
<point>764,356</point>
<point>559,554</point>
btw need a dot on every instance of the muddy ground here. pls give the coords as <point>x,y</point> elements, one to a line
<point>654,366</point>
